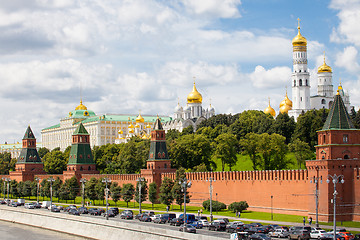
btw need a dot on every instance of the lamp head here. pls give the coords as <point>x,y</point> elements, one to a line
<point>342,181</point>
<point>327,181</point>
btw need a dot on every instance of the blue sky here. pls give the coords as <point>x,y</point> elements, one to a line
<point>133,55</point>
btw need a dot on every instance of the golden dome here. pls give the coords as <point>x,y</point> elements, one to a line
<point>286,102</point>
<point>270,110</point>
<point>81,106</point>
<point>324,67</point>
<point>137,126</point>
<point>148,125</point>
<point>131,130</point>
<point>131,126</point>
<point>120,132</point>
<point>139,119</point>
<point>285,109</point>
<point>194,96</point>
<point>299,40</point>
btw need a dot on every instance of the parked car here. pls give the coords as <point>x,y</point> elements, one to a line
<point>176,221</point>
<point>317,233</point>
<point>169,216</point>
<point>187,228</point>
<point>305,228</point>
<point>29,206</point>
<point>201,218</point>
<point>145,218</point>
<point>189,217</point>
<point>74,211</point>
<point>69,207</point>
<point>36,205</point>
<point>55,209</point>
<point>256,224</point>
<point>226,220</point>
<point>331,235</point>
<point>94,211</point>
<point>21,202</point>
<point>13,204</point>
<point>346,235</point>
<point>83,210</point>
<point>126,214</point>
<point>150,213</point>
<point>279,232</point>
<point>109,213</point>
<point>217,226</point>
<point>205,223</point>
<point>2,201</point>
<point>197,225</point>
<point>259,236</point>
<point>299,234</point>
<point>115,210</point>
<point>155,216</point>
<point>234,227</point>
<point>160,220</point>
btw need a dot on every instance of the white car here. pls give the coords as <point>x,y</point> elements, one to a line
<point>317,233</point>
<point>204,222</point>
<point>155,216</point>
<point>29,205</point>
<point>279,232</point>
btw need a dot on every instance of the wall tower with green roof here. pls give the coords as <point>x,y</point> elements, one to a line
<point>337,152</point>
<point>158,161</point>
<point>80,158</point>
<point>29,163</point>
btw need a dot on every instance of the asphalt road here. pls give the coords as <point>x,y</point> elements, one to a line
<point>15,231</point>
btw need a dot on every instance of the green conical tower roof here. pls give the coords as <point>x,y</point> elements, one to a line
<point>29,134</point>
<point>80,130</point>
<point>338,117</point>
<point>80,152</point>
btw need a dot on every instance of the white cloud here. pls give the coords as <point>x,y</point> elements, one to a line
<point>272,78</point>
<point>214,8</point>
<point>348,59</point>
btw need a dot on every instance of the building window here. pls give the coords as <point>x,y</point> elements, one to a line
<point>300,82</point>
<point>306,82</point>
<point>294,83</point>
<point>345,138</point>
<point>323,101</point>
<point>324,139</point>
<point>346,157</point>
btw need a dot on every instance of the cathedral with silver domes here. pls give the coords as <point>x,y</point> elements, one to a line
<point>191,115</point>
<point>300,81</point>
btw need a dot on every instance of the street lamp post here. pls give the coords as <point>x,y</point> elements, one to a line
<point>316,181</point>
<point>335,179</point>
<point>37,188</point>
<point>51,180</point>
<point>272,207</point>
<point>140,180</point>
<point>106,181</point>
<point>211,180</point>
<point>7,180</point>
<point>4,180</point>
<point>83,181</point>
<point>184,185</point>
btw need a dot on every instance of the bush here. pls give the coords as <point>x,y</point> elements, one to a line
<point>216,206</point>
<point>238,206</point>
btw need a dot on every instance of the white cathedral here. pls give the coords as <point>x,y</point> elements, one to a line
<point>300,80</point>
<point>191,115</point>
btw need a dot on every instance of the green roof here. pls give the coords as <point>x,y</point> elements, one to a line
<point>338,117</point>
<point>81,114</point>
<point>29,134</point>
<point>80,130</point>
<point>54,126</point>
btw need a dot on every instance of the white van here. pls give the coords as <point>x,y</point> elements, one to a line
<point>21,201</point>
<point>45,204</point>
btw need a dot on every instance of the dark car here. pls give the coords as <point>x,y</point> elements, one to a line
<point>74,211</point>
<point>226,220</point>
<point>259,236</point>
<point>55,209</point>
<point>217,226</point>
<point>138,216</point>
<point>115,210</point>
<point>83,210</point>
<point>2,202</point>
<point>67,209</point>
<point>36,205</point>
<point>201,218</point>
<point>256,224</point>
<point>187,228</point>
<point>176,221</point>
<point>109,213</point>
<point>257,230</point>
<point>168,216</point>
<point>13,204</point>
<point>160,220</point>
<point>95,211</point>
<point>235,227</point>
<point>299,234</point>
<point>126,214</point>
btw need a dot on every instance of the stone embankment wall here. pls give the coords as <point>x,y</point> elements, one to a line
<point>93,228</point>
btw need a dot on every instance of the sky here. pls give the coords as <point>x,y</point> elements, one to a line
<point>126,56</point>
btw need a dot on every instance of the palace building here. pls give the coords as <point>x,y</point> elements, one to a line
<point>300,81</point>
<point>103,129</point>
<point>191,115</point>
